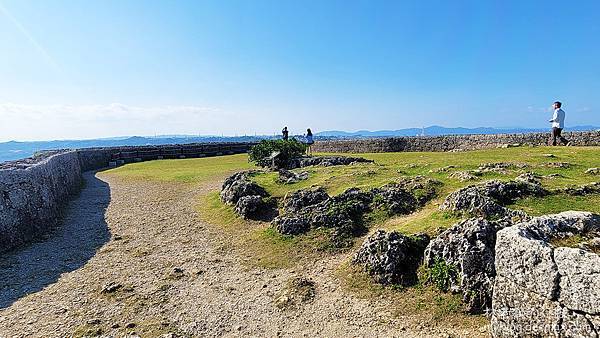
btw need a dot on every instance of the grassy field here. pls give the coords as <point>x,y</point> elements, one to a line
<point>260,245</point>
<point>387,168</point>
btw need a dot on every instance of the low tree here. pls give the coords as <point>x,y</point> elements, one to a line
<point>278,152</point>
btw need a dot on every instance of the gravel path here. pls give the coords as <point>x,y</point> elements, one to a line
<point>164,272</point>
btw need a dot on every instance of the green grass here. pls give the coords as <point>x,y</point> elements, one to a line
<point>558,203</point>
<point>388,167</point>
<point>196,170</point>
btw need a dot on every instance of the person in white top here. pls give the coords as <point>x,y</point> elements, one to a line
<point>558,124</point>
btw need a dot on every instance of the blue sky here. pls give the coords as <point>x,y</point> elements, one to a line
<point>83,69</point>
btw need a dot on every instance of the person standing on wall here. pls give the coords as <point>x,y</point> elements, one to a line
<point>558,124</point>
<point>285,133</point>
<point>309,141</point>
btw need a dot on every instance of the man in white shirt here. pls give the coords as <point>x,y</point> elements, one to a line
<point>558,124</point>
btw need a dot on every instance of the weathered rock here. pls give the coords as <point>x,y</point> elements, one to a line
<point>593,171</point>
<point>464,176</point>
<point>239,185</point>
<point>422,188</point>
<point>543,290</point>
<point>291,225</point>
<point>395,199</point>
<point>344,213</point>
<point>488,199</point>
<point>518,312</point>
<point>111,287</point>
<point>473,201</point>
<point>500,167</point>
<point>314,208</point>
<point>580,279</point>
<point>300,199</point>
<point>290,177</point>
<point>405,196</point>
<point>442,169</point>
<point>325,161</point>
<point>586,189</point>
<point>507,192</point>
<point>254,207</point>
<point>529,178</point>
<point>558,165</point>
<point>468,246</point>
<point>392,258</point>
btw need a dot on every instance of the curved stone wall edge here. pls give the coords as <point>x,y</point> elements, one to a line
<point>33,190</point>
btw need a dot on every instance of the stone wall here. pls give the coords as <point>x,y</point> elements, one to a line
<point>33,190</point>
<point>449,143</point>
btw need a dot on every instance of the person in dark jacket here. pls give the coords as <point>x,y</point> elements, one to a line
<point>285,133</point>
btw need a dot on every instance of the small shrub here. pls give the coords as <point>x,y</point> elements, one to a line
<point>441,274</point>
<point>288,150</point>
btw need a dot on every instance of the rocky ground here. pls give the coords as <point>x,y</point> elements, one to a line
<point>159,271</point>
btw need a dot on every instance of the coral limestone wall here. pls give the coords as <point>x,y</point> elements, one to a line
<point>450,142</point>
<point>31,194</point>
<point>33,190</point>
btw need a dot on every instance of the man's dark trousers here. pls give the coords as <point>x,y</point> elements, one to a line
<point>556,134</point>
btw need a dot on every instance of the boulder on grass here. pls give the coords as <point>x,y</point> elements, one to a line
<point>469,247</point>
<point>255,207</point>
<point>488,199</point>
<point>291,225</point>
<point>392,258</point>
<point>300,199</point>
<point>290,177</point>
<point>239,185</point>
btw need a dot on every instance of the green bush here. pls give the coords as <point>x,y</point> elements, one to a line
<point>441,274</point>
<point>288,150</point>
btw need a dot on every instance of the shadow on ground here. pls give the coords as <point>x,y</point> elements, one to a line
<point>82,231</point>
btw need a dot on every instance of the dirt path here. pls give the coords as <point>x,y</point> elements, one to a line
<point>169,274</point>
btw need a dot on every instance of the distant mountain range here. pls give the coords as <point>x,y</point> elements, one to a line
<point>437,130</point>
<point>14,150</point>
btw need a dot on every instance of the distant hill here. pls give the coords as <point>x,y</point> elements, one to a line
<point>438,130</point>
<point>14,150</point>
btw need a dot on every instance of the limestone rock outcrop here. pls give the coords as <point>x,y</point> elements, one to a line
<point>544,290</point>
<point>239,185</point>
<point>469,247</point>
<point>488,199</point>
<point>392,258</point>
<point>314,208</point>
<point>250,200</point>
<point>302,198</point>
<point>290,177</point>
<point>255,207</point>
<point>325,161</point>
